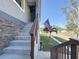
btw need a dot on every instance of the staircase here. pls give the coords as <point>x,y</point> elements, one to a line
<point>20,47</point>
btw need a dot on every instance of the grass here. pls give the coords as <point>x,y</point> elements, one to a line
<point>47,42</point>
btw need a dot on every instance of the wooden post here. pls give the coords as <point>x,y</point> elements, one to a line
<point>67,52</point>
<point>56,53</point>
<point>32,47</point>
<point>51,50</point>
<point>74,51</point>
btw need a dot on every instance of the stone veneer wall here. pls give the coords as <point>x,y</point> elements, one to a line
<point>8,29</point>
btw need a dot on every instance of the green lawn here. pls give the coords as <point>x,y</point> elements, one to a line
<point>48,42</point>
<point>45,41</point>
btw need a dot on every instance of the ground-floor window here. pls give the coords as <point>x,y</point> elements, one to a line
<point>20,3</point>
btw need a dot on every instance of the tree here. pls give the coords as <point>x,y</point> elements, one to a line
<point>72,17</point>
<point>45,30</point>
<point>71,27</point>
<point>52,30</point>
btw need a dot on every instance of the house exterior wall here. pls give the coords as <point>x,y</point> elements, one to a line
<point>11,14</point>
<point>39,19</point>
<point>38,14</point>
<point>12,8</point>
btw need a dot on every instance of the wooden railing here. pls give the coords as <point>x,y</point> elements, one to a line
<point>66,50</point>
<point>33,34</point>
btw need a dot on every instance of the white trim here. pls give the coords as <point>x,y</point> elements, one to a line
<point>18,5</point>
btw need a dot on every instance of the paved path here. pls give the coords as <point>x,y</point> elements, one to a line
<point>44,55</point>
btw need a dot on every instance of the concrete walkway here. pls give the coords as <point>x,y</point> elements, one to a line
<point>44,55</point>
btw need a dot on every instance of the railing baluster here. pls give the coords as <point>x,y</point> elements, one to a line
<point>70,52</point>
<point>59,53</point>
<point>33,33</point>
<point>63,52</point>
<point>56,53</point>
<point>73,51</point>
<point>66,50</point>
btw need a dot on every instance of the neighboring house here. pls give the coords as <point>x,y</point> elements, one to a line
<point>14,16</point>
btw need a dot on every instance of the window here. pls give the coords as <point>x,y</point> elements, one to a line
<point>19,2</point>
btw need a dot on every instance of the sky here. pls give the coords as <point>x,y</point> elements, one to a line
<point>53,10</point>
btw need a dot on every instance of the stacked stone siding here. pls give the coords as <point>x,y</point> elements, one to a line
<point>7,31</point>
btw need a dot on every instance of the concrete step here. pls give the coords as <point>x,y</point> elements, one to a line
<point>23,37</point>
<point>23,50</point>
<point>28,25</point>
<point>26,43</point>
<point>14,56</point>
<point>23,34</point>
<point>26,29</point>
<point>19,48</point>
